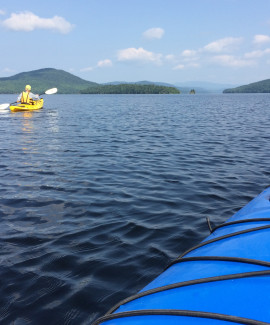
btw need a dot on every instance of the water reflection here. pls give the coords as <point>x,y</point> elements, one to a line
<point>27,128</point>
<point>27,122</point>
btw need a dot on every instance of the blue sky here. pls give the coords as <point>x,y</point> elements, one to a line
<point>222,41</point>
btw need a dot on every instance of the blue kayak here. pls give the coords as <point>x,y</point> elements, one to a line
<point>223,280</point>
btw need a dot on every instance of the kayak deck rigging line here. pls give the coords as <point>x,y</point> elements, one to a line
<point>186,313</point>
<point>219,259</point>
<point>239,222</point>
<point>225,237</point>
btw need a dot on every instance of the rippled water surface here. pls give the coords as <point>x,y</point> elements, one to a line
<point>99,193</point>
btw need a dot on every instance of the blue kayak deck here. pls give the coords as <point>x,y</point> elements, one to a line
<point>225,279</point>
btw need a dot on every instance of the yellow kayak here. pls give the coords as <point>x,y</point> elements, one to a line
<point>37,104</point>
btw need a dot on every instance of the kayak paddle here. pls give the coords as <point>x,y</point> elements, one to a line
<point>47,92</point>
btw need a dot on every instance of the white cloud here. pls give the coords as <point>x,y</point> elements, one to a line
<point>184,66</point>
<point>153,33</point>
<point>179,67</point>
<point>189,53</point>
<point>104,63</point>
<point>261,39</point>
<point>257,54</point>
<point>221,45</point>
<point>2,12</point>
<point>194,65</point>
<point>139,55</point>
<point>232,61</point>
<point>170,57</point>
<point>27,21</point>
<point>100,64</point>
<point>86,69</point>
<point>254,54</point>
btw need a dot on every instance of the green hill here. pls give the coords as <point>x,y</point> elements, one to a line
<point>255,87</point>
<point>131,89</point>
<point>43,79</point>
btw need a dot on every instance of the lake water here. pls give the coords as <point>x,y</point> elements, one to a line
<point>100,192</point>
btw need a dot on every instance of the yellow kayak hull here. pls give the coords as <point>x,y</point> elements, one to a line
<point>38,104</point>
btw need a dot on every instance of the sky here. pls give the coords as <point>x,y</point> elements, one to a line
<point>220,41</point>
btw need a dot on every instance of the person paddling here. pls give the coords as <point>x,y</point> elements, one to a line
<point>26,97</point>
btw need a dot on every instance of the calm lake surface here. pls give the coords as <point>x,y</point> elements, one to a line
<point>98,193</point>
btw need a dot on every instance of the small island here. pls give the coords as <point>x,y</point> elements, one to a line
<point>130,89</point>
<point>192,92</point>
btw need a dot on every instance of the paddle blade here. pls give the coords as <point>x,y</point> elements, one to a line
<point>4,106</point>
<point>51,91</point>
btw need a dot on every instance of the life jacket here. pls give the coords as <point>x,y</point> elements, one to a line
<point>25,99</point>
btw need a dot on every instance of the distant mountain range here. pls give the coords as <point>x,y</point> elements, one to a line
<point>206,86</point>
<point>255,87</point>
<point>145,82</point>
<point>184,87</point>
<point>68,83</point>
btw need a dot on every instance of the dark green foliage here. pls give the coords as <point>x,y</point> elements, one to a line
<point>255,87</point>
<point>130,89</point>
<point>43,79</point>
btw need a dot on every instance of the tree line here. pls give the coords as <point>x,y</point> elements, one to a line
<point>130,89</point>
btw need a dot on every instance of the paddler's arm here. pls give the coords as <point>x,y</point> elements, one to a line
<point>33,96</point>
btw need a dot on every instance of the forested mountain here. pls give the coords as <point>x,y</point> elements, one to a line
<point>43,79</point>
<point>255,87</point>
